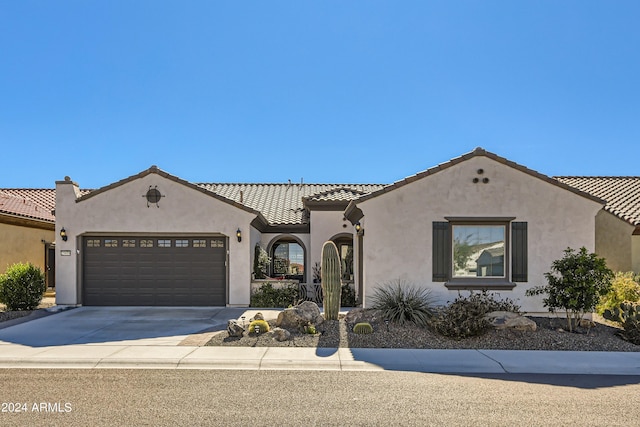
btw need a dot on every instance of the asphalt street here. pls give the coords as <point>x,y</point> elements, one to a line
<point>148,397</point>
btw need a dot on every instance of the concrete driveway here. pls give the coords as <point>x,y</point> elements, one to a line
<point>119,325</point>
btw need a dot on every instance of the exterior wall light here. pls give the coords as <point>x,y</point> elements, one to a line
<point>63,234</point>
<point>359,229</point>
<point>239,235</point>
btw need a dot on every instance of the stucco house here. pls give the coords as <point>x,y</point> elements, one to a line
<point>478,221</point>
<point>618,224</point>
<point>27,229</point>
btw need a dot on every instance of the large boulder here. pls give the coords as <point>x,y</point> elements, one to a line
<point>299,316</point>
<point>234,329</point>
<point>358,315</point>
<point>510,320</point>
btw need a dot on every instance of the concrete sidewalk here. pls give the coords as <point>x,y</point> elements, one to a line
<point>342,359</point>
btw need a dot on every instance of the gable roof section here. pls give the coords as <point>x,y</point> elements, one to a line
<point>157,171</point>
<point>284,204</point>
<point>354,213</point>
<point>621,193</point>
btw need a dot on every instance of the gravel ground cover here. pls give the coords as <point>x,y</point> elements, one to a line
<point>549,335</point>
<point>10,315</point>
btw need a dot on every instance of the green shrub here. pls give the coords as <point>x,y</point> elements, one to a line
<point>363,328</point>
<point>22,287</point>
<point>465,316</point>
<point>624,287</point>
<point>267,296</point>
<point>262,325</point>
<point>348,297</point>
<point>400,302</point>
<point>310,329</point>
<point>575,283</point>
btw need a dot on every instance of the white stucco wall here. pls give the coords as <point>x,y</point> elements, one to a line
<point>324,226</point>
<point>398,227</point>
<point>123,209</point>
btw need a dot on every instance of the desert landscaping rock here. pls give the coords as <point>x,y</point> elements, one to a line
<point>280,334</point>
<point>234,329</point>
<point>299,316</point>
<point>507,319</point>
<point>338,333</point>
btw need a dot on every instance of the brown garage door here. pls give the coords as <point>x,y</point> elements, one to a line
<point>157,271</point>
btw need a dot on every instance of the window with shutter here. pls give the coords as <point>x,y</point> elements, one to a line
<point>473,253</point>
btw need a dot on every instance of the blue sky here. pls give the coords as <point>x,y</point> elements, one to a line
<point>329,91</point>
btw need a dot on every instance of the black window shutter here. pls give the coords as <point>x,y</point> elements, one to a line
<point>441,252</point>
<point>519,252</point>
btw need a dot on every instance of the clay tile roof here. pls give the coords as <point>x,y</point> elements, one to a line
<point>283,204</point>
<point>339,194</point>
<point>45,197</point>
<point>24,207</point>
<point>621,193</point>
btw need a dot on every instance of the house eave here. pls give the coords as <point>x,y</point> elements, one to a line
<point>21,221</point>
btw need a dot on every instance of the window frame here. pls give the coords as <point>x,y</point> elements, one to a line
<point>273,267</point>
<point>452,282</point>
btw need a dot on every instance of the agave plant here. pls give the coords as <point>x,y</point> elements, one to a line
<point>401,302</point>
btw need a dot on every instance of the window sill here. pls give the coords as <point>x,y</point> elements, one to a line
<point>479,284</point>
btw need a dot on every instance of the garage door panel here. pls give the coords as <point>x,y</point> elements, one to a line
<point>140,271</point>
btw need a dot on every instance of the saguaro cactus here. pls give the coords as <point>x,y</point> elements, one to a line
<point>331,280</point>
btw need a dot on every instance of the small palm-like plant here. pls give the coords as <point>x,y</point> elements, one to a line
<point>401,302</point>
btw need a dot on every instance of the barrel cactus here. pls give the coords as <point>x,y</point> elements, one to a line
<point>363,328</point>
<point>331,286</point>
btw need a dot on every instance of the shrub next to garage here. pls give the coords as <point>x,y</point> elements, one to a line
<point>22,287</point>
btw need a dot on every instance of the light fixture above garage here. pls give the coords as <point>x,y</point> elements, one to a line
<point>239,235</point>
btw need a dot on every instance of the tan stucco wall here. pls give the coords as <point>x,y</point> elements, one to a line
<point>635,253</point>
<point>123,209</point>
<point>23,244</point>
<point>613,241</point>
<point>398,224</point>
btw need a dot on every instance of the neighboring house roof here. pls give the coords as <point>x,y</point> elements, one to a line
<point>621,193</point>
<point>284,204</point>
<point>45,197</point>
<point>23,207</point>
